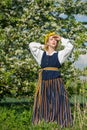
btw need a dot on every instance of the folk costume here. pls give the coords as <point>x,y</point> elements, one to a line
<point>51,101</point>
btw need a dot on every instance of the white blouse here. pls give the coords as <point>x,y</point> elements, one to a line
<point>37,50</point>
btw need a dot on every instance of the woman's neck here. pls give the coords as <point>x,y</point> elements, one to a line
<point>50,50</point>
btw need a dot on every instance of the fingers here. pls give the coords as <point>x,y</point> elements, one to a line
<point>58,38</point>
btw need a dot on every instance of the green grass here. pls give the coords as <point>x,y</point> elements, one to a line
<point>19,117</point>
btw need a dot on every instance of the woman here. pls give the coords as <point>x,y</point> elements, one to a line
<point>51,101</point>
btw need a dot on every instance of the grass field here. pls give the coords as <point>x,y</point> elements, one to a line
<point>18,116</point>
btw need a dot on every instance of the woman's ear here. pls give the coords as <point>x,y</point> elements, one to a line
<point>47,43</point>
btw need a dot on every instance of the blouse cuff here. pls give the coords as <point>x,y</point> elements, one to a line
<point>64,41</point>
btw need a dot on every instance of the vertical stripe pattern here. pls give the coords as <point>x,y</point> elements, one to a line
<point>54,104</point>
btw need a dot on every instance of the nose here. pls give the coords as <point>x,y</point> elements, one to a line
<point>54,39</point>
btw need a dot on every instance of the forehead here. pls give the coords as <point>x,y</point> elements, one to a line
<point>52,37</point>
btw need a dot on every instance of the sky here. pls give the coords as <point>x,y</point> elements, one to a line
<point>81,62</point>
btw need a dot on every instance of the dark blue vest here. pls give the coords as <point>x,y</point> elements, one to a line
<point>50,61</point>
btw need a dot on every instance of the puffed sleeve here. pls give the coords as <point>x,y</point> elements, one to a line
<point>37,51</point>
<point>63,54</point>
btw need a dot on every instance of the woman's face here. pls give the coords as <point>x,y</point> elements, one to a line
<point>52,42</point>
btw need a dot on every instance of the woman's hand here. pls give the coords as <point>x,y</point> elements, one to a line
<point>58,38</point>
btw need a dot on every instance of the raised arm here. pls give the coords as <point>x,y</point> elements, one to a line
<point>68,47</point>
<point>36,50</point>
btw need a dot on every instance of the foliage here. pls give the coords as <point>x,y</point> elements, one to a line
<point>19,118</point>
<point>23,21</point>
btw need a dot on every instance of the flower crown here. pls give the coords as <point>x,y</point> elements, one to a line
<point>48,35</point>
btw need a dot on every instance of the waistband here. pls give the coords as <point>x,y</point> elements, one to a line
<point>49,68</point>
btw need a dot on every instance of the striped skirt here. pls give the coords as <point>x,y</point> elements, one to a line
<point>53,104</point>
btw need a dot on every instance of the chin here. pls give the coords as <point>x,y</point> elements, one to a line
<point>54,46</point>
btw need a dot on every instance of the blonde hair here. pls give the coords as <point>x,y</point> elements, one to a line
<point>47,38</point>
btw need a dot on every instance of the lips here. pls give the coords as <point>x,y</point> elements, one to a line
<point>53,43</point>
